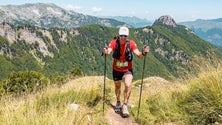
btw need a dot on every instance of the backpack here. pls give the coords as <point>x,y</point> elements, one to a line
<point>128,54</point>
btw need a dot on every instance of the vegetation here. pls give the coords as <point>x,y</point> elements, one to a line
<point>202,102</point>
<point>37,88</point>
<point>23,82</point>
<point>197,100</point>
<point>55,105</point>
<point>171,50</point>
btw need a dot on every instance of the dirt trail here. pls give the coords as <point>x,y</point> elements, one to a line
<point>115,119</point>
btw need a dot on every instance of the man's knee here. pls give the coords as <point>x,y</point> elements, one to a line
<point>128,80</point>
<point>117,84</point>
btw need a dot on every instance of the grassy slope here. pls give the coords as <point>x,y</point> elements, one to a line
<point>178,102</point>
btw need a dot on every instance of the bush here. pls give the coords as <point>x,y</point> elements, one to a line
<point>26,81</point>
<point>76,72</point>
<point>59,80</point>
<point>203,101</point>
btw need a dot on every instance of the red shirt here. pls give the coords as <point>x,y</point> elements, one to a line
<point>122,59</point>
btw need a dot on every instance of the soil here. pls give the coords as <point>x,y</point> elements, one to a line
<point>114,118</point>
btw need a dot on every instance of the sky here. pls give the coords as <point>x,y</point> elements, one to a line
<point>179,10</point>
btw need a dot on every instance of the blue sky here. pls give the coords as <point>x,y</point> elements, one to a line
<point>180,10</point>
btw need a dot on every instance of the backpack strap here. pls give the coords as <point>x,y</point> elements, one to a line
<point>116,53</point>
<point>128,53</point>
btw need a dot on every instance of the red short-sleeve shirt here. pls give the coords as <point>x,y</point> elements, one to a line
<point>122,59</point>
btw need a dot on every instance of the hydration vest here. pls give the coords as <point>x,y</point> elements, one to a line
<point>128,54</point>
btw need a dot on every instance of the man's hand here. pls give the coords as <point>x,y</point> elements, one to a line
<point>145,50</point>
<point>105,51</point>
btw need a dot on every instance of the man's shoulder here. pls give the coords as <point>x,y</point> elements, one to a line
<point>112,44</point>
<point>113,41</point>
<point>131,40</point>
<point>133,44</point>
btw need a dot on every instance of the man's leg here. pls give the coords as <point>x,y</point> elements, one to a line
<point>117,92</point>
<point>117,89</point>
<point>128,85</point>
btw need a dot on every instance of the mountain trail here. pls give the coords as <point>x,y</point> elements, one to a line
<point>116,119</point>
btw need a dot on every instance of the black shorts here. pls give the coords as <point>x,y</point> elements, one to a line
<point>119,75</point>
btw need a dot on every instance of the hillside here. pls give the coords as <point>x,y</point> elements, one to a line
<point>209,30</point>
<point>49,16</point>
<point>56,51</point>
<point>132,21</point>
<point>179,102</point>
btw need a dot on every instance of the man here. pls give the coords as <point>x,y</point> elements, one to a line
<point>122,49</point>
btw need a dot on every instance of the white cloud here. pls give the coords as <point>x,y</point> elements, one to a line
<point>73,7</point>
<point>96,9</point>
<point>133,13</point>
<point>147,12</point>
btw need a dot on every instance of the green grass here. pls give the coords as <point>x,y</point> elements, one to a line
<point>158,105</point>
<point>181,102</point>
<point>194,101</point>
<point>203,100</point>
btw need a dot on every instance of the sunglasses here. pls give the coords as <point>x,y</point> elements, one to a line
<point>123,35</point>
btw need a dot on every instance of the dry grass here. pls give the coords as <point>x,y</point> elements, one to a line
<point>53,105</point>
<point>159,103</point>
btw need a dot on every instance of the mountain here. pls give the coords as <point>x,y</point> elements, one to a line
<point>56,51</point>
<point>209,30</point>
<point>50,15</point>
<point>132,21</point>
<point>165,20</point>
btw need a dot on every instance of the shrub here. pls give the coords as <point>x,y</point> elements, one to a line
<point>76,72</point>
<point>25,81</point>
<point>58,80</point>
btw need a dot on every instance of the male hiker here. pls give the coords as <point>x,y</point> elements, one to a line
<point>122,49</point>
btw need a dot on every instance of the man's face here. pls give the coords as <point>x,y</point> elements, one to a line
<point>123,37</point>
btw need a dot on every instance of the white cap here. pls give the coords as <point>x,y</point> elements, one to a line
<point>123,31</point>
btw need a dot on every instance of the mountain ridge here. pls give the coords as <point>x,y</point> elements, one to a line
<point>209,30</point>
<point>132,21</point>
<point>49,16</point>
<point>56,51</point>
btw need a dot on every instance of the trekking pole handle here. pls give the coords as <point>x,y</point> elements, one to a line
<point>103,51</point>
<point>145,50</point>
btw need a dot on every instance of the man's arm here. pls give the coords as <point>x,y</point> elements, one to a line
<point>141,54</point>
<point>138,53</point>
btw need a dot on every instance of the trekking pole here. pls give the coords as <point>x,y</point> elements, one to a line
<point>141,86</point>
<point>104,89</point>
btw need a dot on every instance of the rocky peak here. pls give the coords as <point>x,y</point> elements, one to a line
<point>165,20</point>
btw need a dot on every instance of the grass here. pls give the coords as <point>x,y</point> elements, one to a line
<point>52,106</point>
<point>159,102</point>
<point>197,100</point>
<point>203,100</point>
